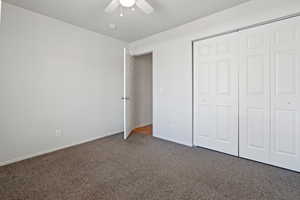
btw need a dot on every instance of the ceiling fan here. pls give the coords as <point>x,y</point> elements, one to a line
<point>142,4</point>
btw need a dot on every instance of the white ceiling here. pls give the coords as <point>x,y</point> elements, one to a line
<point>89,14</point>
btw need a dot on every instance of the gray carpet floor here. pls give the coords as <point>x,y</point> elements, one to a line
<point>144,168</point>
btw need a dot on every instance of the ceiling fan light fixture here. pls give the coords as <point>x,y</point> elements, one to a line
<point>127,3</point>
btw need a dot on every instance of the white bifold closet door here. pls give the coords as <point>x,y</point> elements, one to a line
<point>270,94</point>
<point>285,94</point>
<point>254,91</point>
<point>216,94</point>
<point>247,93</point>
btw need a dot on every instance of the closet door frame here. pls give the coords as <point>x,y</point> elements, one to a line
<point>270,159</point>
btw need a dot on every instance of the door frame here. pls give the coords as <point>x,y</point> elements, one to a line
<point>155,87</point>
<point>221,34</point>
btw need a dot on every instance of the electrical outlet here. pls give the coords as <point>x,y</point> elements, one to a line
<point>58,132</point>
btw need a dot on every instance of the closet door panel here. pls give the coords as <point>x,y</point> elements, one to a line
<point>285,91</point>
<point>216,94</point>
<point>203,109</point>
<point>254,92</point>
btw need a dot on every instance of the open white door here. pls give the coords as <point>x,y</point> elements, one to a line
<point>129,122</point>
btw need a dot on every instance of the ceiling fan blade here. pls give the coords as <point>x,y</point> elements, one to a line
<point>112,6</point>
<point>144,6</point>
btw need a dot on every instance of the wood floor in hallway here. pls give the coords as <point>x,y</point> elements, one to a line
<point>146,130</point>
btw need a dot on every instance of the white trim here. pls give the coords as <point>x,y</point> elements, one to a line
<point>172,140</point>
<point>155,93</point>
<point>143,125</point>
<point>124,95</point>
<point>250,26</point>
<point>14,160</point>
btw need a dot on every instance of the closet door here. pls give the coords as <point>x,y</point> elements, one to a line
<point>285,94</point>
<point>254,91</point>
<point>216,94</point>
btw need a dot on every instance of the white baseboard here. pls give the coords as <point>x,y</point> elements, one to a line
<point>143,125</point>
<point>53,150</point>
<point>174,141</point>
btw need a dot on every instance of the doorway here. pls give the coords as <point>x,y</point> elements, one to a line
<point>138,94</point>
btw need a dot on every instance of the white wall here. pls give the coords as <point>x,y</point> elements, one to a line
<point>55,76</point>
<point>173,61</point>
<point>0,9</point>
<point>143,89</point>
